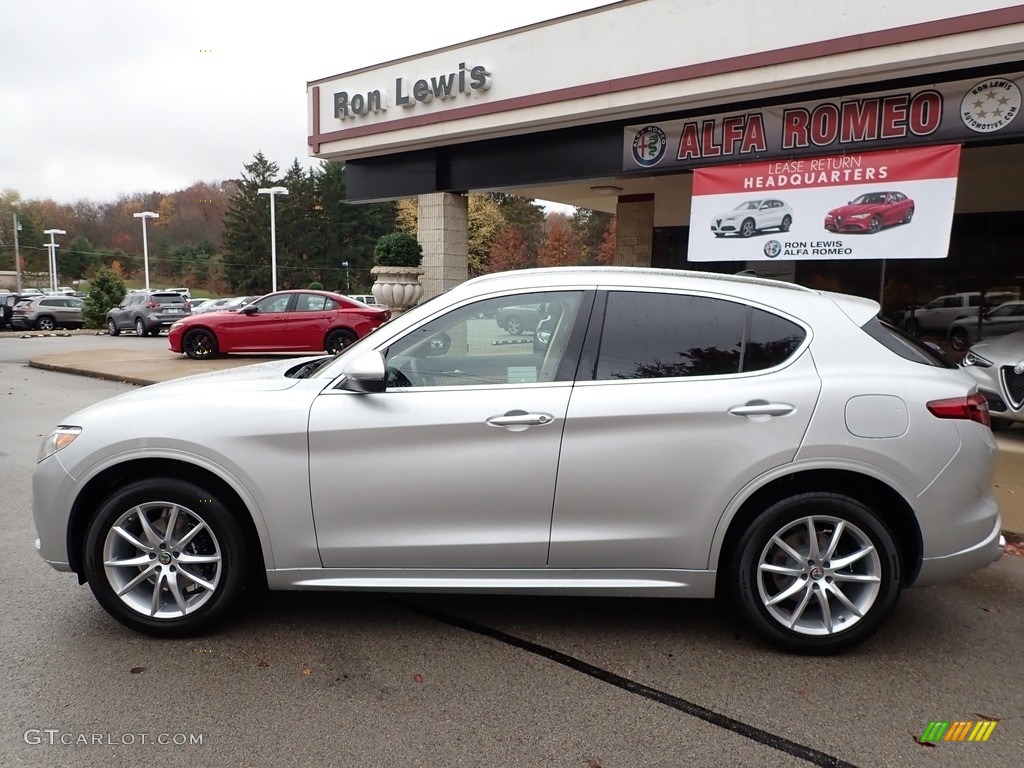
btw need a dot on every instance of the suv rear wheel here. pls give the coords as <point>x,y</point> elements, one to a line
<point>816,573</point>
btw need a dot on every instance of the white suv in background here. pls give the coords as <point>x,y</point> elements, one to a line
<point>938,314</point>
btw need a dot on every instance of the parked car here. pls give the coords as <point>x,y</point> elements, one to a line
<point>752,216</point>
<point>998,367</point>
<point>46,313</point>
<point>286,321</point>
<point>1006,318</point>
<point>871,212</point>
<point>7,302</point>
<point>679,434</point>
<point>187,293</point>
<point>194,304</point>
<point>366,298</point>
<point>519,319</point>
<point>211,305</point>
<point>939,313</point>
<point>147,312</point>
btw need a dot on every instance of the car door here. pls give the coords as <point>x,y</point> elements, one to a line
<point>263,328</point>
<point>454,465</point>
<point>122,314</point>
<point>690,398</point>
<point>309,320</point>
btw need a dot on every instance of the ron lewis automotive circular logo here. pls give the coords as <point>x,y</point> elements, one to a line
<point>990,105</point>
<point>772,248</point>
<point>649,146</point>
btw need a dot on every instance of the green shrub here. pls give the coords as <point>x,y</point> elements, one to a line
<point>398,249</point>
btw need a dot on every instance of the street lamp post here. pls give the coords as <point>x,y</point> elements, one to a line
<point>272,191</point>
<point>145,243</point>
<point>17,255</point>
<point>52,248</point>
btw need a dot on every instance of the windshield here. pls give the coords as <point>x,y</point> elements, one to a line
<point>750,205</point>
<point>873,199</point>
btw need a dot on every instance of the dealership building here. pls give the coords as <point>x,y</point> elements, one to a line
<point>630,107</point>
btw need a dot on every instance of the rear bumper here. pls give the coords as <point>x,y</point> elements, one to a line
<point>935,570</point>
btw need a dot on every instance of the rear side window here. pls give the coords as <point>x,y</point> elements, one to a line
<point>657,335</point>
<point>905,346</point>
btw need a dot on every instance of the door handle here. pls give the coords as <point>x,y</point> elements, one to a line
<point>516,421</point>
<point>762,409</point>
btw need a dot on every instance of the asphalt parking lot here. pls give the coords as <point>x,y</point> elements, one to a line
<point>332,679</point>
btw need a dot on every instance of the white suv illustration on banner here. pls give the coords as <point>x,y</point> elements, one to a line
<point>752,216</point>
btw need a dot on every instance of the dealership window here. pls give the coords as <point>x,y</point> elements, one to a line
<point>661,335</point>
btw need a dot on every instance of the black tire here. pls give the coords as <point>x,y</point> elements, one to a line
<point>909,216</point>
<point>514,325</point>
<point>748,228</point>
<point>758,591</point>
<point>45,323</point>
<point>959,340</point>
<point>875,225</point>
<point>200,344</point>
<point>140,327</point>
<point>787,222</point>
<point>1001,425</point>
<point>112,328</point>
<point>169,592</point>
<point>338,339</point>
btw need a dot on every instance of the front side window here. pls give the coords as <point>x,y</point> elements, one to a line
<point>507,340</point>
<point>273,304</point>
<point>662,335</point>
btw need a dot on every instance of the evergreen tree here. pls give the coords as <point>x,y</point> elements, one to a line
<point>247,229</point>
<point>589,228</point>
<point>106,290</point>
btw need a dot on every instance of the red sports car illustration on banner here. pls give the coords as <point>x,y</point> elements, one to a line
<point>871,212</point>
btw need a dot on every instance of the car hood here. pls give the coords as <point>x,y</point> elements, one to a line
<point>852,210</point>
<point>1008,349</point>
<point>733,214</point>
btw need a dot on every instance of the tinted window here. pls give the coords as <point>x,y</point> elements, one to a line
<point>653,335</point>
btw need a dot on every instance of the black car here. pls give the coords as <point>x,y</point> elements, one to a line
<point>147,312</point>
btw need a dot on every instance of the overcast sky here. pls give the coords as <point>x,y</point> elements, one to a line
<point>100,98</point>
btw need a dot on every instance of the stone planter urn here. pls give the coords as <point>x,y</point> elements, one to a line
<point>397,287</point>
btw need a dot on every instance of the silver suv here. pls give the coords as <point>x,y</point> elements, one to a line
<point>46,313</point>
<point>147,312</point>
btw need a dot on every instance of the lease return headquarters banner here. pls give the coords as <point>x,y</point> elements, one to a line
<point>894,204</point>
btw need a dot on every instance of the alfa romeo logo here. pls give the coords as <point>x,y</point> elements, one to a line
<point>649,146</point>
<point>990,105</point>
<point>772,248</point>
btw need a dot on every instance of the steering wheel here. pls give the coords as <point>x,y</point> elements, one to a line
<point>408,374</point>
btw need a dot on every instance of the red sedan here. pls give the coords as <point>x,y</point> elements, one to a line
<point>286,321</point>
<point>870,213</point>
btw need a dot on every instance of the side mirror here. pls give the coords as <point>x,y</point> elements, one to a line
<point>439,345</point>
<point>250,309</point>
<point>365,374</point>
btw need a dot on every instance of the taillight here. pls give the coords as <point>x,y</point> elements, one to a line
<point>973,407</point>
<point>153,305</point>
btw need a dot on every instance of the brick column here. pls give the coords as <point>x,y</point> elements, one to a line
<point>443,219</point>
<point>634,230</point>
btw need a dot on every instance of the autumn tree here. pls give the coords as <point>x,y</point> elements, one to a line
<point>407,215</point>
<point>509,250</point>
<point>606,250</point>
<point>525,216</point>
<point>560,249</point>
<point>485,222</point>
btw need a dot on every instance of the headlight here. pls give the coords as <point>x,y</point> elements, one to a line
<point>860,215</point>
<point>177,324</point>
<point>60,438</point>
<point>973,358</point>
